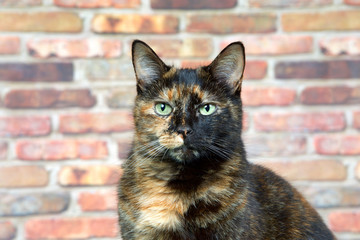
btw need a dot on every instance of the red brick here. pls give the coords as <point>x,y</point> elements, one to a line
<point>36,72</point>
<point>71,228</point>
<point>340,46</point>
<point>254,69</point>
<point>14,204</point>
<point>319,170</point>
<point>345,221</point>
<point>24,126</point>
<point>288,4</point>
<point>256,96</point>
<point>97,3</point>
<point>109,70</point>
<point>337,145</point>
<point>245,121</point>
<point>98,201</point>
<point>9,45</point>
<point>223,24</point>
<point>40,22</point>
<point>124,146</point>
<point>330,95</point>
<point>342,69</point>
<point>352,2</point>
<point>49,98</point>
<point>320,21</point>
<point>192,5</point>
<point>3,150</point>
<point>279,145</point>
<point>356,119</point>
<point>127,23</point>
<point>182,48</point>
<point>7,230</point>
<point>300,122</point>
<point>23,176</point>
<point>93,175</point>
<point>61,149</point>
<point>273,44</point>
<point>330,196</point>
<point>96,122</point>
<point>74,48</point>
<point>121,97</point>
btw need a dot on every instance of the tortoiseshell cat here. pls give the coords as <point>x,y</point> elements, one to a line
<point>187,177</point>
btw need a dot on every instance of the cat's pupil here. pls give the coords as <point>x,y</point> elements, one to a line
<point>162,107</point>
<point>207,107</point>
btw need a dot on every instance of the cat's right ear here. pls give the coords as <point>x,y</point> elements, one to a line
<point>148,67</point>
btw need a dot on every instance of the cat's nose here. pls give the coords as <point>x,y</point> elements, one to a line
<point>184,130</point>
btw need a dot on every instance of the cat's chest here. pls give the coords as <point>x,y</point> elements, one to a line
<point>161,209</point>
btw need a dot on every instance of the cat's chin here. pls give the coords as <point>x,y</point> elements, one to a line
<point>184,154</point>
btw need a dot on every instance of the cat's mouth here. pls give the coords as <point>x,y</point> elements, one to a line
<point>184,153</point>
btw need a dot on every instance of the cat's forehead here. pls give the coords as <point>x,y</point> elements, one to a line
<point>185,83</point>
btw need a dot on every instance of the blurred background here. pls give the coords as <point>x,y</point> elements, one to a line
<point>67,88</point>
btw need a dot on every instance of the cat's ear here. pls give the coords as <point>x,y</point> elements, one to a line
<point>148,67</point>
<point>229,66</point>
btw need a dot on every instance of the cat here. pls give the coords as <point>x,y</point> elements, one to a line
<point>187,176</point>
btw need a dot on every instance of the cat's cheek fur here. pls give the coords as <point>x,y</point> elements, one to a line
<point>171,141</point>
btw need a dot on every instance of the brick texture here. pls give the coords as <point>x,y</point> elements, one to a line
<point>23,176</point>
<point>338,145</point>
<point>9,45</point>
<point>356,119</point>
<point>79,48</point>
<point>49,98</point>
<point>331,170</point>
<point>191,5</point>
<point>135,24</point>
<point>71,228</point>
<point>331,197</point>
<point>97,3</point>
<point>274,44</point>
<point>340,46</point>
<point>222,24</point>
<point>61,149</point>
<point>252,96</point>
<point>176,48</point>
<point>88,122</point>
<point>67,90</point>
<point>352,2</point>
<point>345,221</point>
<point>315,69</point>
<point>288,4</point>
<point>98,201</point>
<point>24,126</point>
<point>29,204</point>
<point>339,20</point>
<point>40,22</point>
<point>36,72</point>
<point>7,230</point>
<point>330,95</point>
<point>3,150</point>
<point>89,175</point>
<point>300,122</point>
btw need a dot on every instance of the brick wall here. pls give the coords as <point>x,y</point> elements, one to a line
<point>67,88</point>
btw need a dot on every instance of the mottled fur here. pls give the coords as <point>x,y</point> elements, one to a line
<point>187,176</point>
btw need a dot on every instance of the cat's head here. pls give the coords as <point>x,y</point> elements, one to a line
<point>188,115</point>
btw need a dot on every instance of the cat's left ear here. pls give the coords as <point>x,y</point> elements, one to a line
<point>229,66</point>
<point>149,68</point>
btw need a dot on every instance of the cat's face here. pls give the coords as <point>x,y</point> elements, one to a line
<point>185,115</point>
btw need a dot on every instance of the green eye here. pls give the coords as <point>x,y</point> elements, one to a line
<point>207,109</point>
<point>163,109</point>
